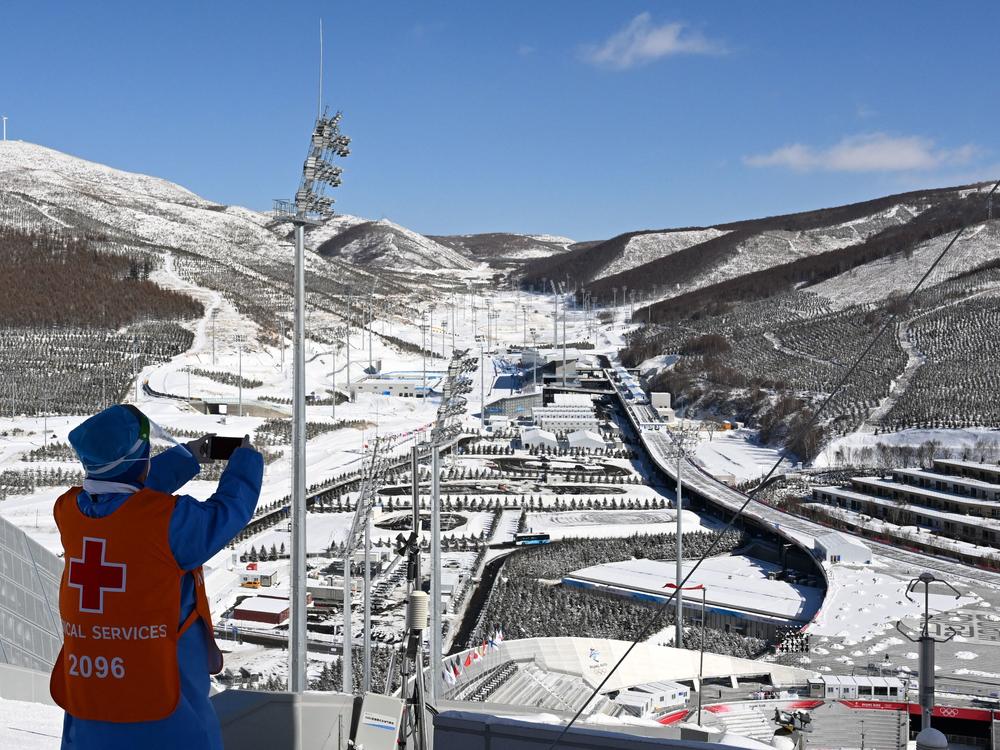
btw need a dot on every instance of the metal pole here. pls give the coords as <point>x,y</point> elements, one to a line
<point>366,677</point>
<point>555,318</point>
<point>239,379</point>
<point>679,637</point>
<point>701,656</point>
<point>371,323</point>
<point>415,494</point>
<point>333,378</point>
<point>435,570</point>
<point>347,655</point>
<point>297,627</point>
<point>348,341</point>
<point>423,354</point>
<point>482,390</point>
<point>524,327</point>
<point>214,312</point>
<point>564,344</point>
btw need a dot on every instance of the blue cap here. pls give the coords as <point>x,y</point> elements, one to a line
<point>112,443</point>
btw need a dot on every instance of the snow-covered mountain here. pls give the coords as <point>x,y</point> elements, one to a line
<point>672,262</point>
<point>41,188</point>
<point>505,250</point>
<point>384,245</point>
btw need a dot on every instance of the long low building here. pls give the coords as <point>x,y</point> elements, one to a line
<point>971,469</point>
<point>966,528</point>
<point>960,485</point>
<point>741,593</point>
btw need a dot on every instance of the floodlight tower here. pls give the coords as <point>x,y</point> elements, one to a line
<point>308,208</point>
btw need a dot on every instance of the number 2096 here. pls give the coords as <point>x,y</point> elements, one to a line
<point>100,667</point>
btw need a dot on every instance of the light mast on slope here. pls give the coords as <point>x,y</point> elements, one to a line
<point>308,208</point>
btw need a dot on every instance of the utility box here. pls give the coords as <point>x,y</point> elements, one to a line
<point>378,725</point>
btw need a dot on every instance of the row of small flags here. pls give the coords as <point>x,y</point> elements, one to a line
<point>455,668</point>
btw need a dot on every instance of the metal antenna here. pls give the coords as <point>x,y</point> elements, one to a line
<point>319,99</point>
<point>926,642</point>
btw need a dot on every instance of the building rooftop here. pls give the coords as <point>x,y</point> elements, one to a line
<point>268,604</point>
<point>961,463</point>
<point>950,478</point>
<point>732,583</point>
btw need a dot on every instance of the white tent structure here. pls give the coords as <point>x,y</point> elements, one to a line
<point>534,437</point>
<point>585,439</point>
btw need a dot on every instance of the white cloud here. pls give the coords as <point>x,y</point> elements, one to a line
<point>641,42</point>
<point>872,152</point>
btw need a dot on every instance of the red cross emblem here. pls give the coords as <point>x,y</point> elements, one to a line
<point>93,576</point>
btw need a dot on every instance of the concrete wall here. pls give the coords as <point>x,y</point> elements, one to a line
<point>462,730</point>
<point>22,684</point>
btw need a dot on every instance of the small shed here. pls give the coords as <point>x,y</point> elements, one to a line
<point>836,547</point>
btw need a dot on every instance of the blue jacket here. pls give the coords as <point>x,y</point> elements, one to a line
<point>198,530</point>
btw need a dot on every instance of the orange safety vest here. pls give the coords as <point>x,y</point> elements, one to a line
<point>119,601</point>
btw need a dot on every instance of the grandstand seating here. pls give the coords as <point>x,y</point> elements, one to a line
<point>531,686</point>
<point>835,725</point>
<point>749,721</point>
<point>483,684</point>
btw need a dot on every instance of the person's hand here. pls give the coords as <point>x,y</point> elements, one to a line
<point>246,443</point>
<point>199,448</point>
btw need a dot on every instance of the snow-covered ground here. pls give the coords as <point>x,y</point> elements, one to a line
<point>864,601</point>
<point>736,454</point>
<point>614,523</point>
<point>30,726</point>
<point>956,440</point>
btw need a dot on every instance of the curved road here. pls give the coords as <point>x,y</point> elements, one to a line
<point>661,452</point>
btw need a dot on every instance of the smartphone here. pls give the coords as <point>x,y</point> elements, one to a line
<point>221,448</point>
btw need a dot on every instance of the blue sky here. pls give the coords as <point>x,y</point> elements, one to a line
<point>570,117</point>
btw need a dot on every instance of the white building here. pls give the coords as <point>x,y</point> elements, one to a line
<point>836,547</point>
<point>573,399</point>
<point>566,422</point>
<point>407,387</point>
<point>534,437</point>
<point>570,412</point>
<point>499,423</point>
<point>651,699</point>
<point>585,439</point>
<point>661,402</point>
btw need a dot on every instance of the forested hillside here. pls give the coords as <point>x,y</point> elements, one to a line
<point>55,280</point>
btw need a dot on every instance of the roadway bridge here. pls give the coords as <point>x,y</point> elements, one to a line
<point>655,438</point>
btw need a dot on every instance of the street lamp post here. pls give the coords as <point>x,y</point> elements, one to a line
<point>701,639</point>
<point>239,377</point>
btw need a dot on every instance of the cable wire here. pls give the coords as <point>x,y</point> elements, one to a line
<point>781,458</point>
